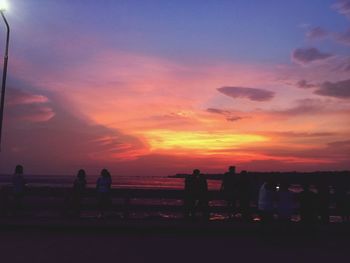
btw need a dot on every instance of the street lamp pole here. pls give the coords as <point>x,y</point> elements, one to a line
<point>4,73</point>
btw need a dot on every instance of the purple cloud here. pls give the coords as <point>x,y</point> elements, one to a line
<point>249,93</point>
<point>340,89</point>
<point>343,38</point>
<point>17,96</point>
<point>303,84</point>
<point>316,33</point>
<point>304,106</point>
<point>307,55</point>
<point>22,105</point>
<point>343,7</point>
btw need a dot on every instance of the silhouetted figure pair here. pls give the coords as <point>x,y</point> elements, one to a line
<point>18,189</point>
<point>196,195</point>
<point>236,189</point>
<point>103,189</point>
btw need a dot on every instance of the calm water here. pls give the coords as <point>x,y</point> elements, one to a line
<point>118,181</point>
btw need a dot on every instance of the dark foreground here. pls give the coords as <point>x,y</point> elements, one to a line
<point>134,241</point>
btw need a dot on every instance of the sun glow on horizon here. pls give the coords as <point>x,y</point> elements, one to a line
<point>199,140</point>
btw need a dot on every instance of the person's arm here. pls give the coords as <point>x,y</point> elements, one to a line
<point>97,183</point>
<point>222,188</point>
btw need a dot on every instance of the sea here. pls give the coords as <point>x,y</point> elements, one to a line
<point>134,182</point>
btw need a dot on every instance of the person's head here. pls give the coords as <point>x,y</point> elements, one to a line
<point>19,169</point>
<point>104,173</point>
<point>81,174</point>
<point>196,172</point>
<point>232,169</point>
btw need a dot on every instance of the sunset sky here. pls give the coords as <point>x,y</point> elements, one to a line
<point>162,87</point>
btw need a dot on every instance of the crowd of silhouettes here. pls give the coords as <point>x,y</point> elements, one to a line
<point>274,198</point>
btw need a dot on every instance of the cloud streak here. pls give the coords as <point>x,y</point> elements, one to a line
<point>247,93</point>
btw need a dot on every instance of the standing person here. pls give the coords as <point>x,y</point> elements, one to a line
<point>229,190</point>
<point>4,201</point>
<point>244,188</point>
<point>190,195</point>
<point>203,200</point>
<point>19,186</point>
<point>308,206</point>
<point>266,200</point>
<point>323,199</point>
<point>284,203</point>
<point>342,198</point>
<point>79,187</point>
<point>103,188</point>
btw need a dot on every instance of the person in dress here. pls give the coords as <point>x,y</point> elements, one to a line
<point>285,203</point>
<point>18,188</point>
<point>266,200</point>
<point>103,188</point>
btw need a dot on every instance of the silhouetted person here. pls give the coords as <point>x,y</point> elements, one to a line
<point>4,201</point>
<point>266,200</point>
<point>342,198</point>
<point>244,188</point>
<point>190,198</point>
<point>19,186</point>
<point>79,187</point>
<point>229,190</point>
<point>285,203</point>
<point>308,205</point>
<point>103,188</point>
<point>323,199</point>
<point>203,199</point>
